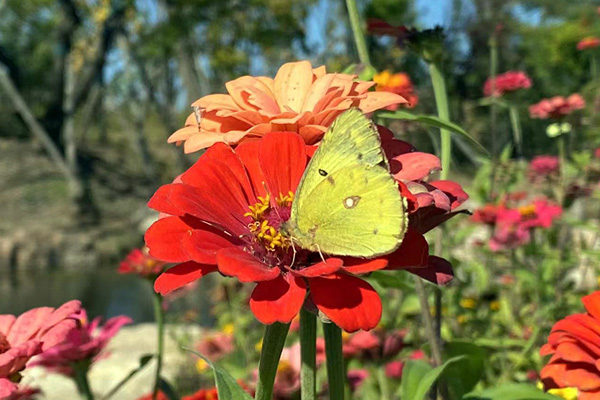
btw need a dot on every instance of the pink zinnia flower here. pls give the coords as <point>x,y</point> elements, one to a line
<point>356,377</point>
<point>542,167</point>
<point>557,107</point>
<point>394,369</point>
<point>216,346</point>
<point>507,82</point>
<point>287,380</point>
<point>83,344</point>
<point>299,99</point>
<point>29,334</point>
<point>590,42</point>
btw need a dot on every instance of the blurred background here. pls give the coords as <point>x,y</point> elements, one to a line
<point>91,90</point>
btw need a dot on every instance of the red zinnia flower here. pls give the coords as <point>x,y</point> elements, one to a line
<point>589,42</point>
<point>574,344</point>
<point>506,82</point>
<point>138,261</point>
<point>226,213</point>
<point>542,167</point>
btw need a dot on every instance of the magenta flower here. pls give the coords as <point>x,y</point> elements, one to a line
<point>557,107</point>
<point>394,369</point>
<point>83,344</point>
<point>507,82</point>
<point>31,333</point>
<point>542,167</point>
<point>356,377</point>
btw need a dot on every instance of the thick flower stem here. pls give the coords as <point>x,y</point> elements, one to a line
<point>335,360</point>
<point>436,352</point>
<point>357,30</point>
<point>441,101</point>
<point>159,318</point>
<point>516,129</point>
<point>82,382</point>
<point>273,343</point>
<point>308,351</point>
<point>493,114</point>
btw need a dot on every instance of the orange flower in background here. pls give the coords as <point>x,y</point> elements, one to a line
<point>574,344</point>
<point>589,42</point>
<point>299,99</point>
<point>398,83</point>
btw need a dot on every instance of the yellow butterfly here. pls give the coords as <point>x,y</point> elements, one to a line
<point>347,202</point>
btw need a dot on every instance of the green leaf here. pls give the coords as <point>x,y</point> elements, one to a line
<point>513,391</point>
<point>436,122</point>
<point>145,359</point>
<point>227,387</point>
<point>418,377</point>
<point>462,376</point>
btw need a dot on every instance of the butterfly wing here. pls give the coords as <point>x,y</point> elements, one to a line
<point>347,202</point>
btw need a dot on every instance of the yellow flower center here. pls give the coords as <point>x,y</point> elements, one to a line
<point>270,237</point>
<point>527,211</point>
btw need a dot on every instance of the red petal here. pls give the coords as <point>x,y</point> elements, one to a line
<point>164,239</point>
<point>413,252</point>
<point>220,202</point>
<point>278,300</point>
<point>453,190</point>
<point>282,157</point>
<point>361,266</point>
<point>411,199</point>
<point>160,201</point>
<point>326,267</point>
<point>592,304</point>
<point>236,262</point>
<point>202,245</point>
<point>180,275</point>
<point>416,166</point>
<point>247,151</point>
<point>348,301</point>
<point>439,271</point>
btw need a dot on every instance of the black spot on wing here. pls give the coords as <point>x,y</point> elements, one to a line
<point>360,156</point>
<point>375,231</point>
<point>322,172</point>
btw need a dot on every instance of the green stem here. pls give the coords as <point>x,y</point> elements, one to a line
<point>357,30</point>
<point>335,361</point>
<point>561,164</point>
<point>493,115</point>
<point>441,101</point>
<point>384,387</point>
<point>594,67</point>
<point>308,350</point>
<point>436,352</point>
<point>273,343</point>
<point>81,380</point>
<point>159,319</point>
<point>515,122</point>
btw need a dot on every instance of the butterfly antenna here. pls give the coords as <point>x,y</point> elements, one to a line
<point>321,254</point>
<point>294,250</point>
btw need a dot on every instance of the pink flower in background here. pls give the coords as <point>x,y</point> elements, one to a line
<point>507,82</point>
<point>216,346</point>
<point>356,377</point>
<point>557,107</point>
<point>597,153</point>
<point>542,167</point>
<point>287,380</point>
<point>30,334</point>
<point>543,215</point>
<point>509,232</point>
<point>138,261</point>
<point>299,99</point>
<point>377,344</point>
<point>590,42</point>
<point>488,214</point>
<point>394,369</point>
<point>83,344</point>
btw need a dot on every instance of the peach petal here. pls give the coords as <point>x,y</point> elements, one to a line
<point>319,71</point>
<point>251,94</point>
<point>201,141</point>
<point>312,133</point>
<point>323,103</point>
<point>268,82</point>
<point>183,134</point>
<point>378,100</point>
<point>292,82</point>
<point>216,102</point>
<point>317,91</point>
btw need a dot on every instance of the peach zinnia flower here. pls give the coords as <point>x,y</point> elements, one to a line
<point>300,99</point>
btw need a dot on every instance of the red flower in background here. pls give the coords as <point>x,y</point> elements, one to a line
<point>30,334</point>
<point>574,347</point>
<point>398,83</point>
<point>557,107</point>
<point>138,261</point>
<point>543,167</point>
<point>85,343</point>
<point>226,213</point>
<point>299,99</point>
<point>590,42</point>
<point>507,82</point>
